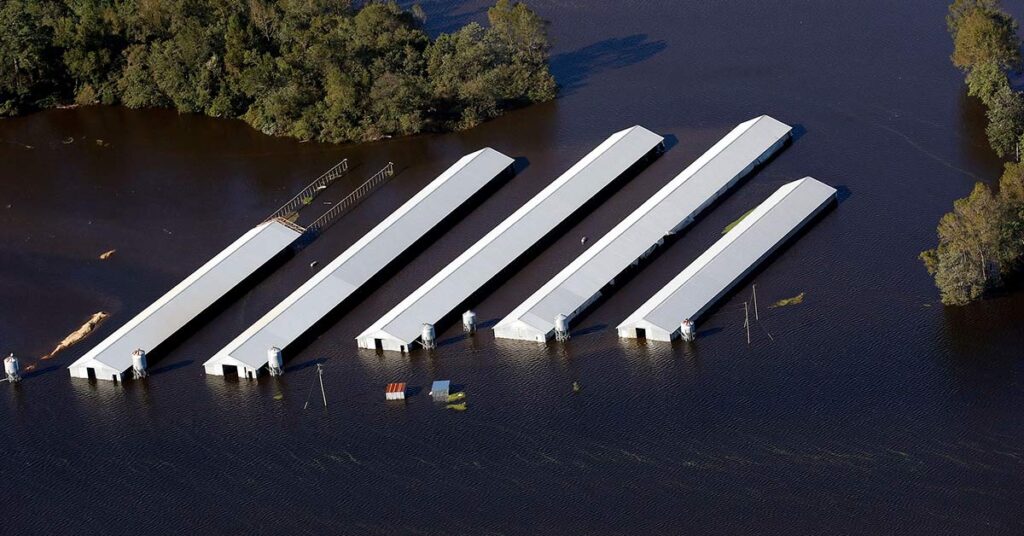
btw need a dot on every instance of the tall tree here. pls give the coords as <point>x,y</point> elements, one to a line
<point>25,58</point>
<point>986,35</point>
<point>1005,121</point>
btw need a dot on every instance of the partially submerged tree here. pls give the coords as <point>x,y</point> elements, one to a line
<point>981,241</point>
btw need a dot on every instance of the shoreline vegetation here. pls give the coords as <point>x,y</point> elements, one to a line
<point>325,70</point>
<point>981,242</point>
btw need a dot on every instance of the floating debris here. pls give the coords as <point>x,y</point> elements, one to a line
<point>107,254</point>
<point>68,140</point>
<point>798,299</point>
<point>279,396</point>
<point>79,334</point>
<point>314,264</point>
<point>576,387</point>
<point>102,143</point>
<point>19,144</point>
<point>439,390</point>
<point>395,391</point>
<point>736,222</point>
<point>457,407</point>
<point>457,397</point>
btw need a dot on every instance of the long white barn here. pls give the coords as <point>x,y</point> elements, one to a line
<point>402,326</point>
<point>247,354</point>
<point>668,211</point>
<point>112,357</point>
<point>728,260</point>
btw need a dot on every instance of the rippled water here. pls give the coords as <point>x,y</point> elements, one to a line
<point>870,408</point>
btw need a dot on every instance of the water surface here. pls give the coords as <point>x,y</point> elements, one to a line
<point>869,409</point>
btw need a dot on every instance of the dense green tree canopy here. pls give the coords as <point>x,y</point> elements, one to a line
<point>328,70</point>
<point>981,241</point>
<point>986,47</point>
<point>985,34</point>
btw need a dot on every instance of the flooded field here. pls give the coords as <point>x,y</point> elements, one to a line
<point>867,407</point>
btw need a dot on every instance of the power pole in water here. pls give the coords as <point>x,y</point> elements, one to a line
<point>320,373</point>
<point>323,393</point>
<point>746,321</point>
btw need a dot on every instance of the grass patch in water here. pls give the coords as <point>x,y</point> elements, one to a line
<point>799,298</point>
<point>737,222</point>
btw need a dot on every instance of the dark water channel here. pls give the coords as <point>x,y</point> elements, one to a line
<point>874,410</point>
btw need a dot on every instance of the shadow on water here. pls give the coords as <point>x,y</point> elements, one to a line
<point>708,332</point>
<point>40,372</point>
<point>597,328</point>
<point>843,193</point>
<point>305,364</point>
<point>572,69</point>
<point>798,132</point>
<point>171,366</point>
<point>973,139</point>
<point>452,340</point>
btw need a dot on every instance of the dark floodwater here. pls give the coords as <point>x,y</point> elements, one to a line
<point>875,410</point>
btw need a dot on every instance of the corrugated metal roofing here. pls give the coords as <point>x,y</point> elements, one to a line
<point>332,285</point>
<point>729,259</point>
<point>403,324</point>
<point>395,391</point>
<point>668,211</point>
<point>439,390</point>
<point>189,298</point>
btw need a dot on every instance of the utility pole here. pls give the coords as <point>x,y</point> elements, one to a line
<point>746,321</point>
<point>320,373</point>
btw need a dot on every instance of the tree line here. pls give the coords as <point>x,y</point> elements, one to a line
<point>981,242</point>
<point>327,70</point>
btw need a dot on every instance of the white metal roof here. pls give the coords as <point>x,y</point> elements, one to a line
<point>729,259</point>
<point>668,211</point>
<point>364,259</point>
<point>436,298</point>
<point>192,296</point>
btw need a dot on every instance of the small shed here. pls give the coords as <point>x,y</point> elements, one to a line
<point>395,391</point>
<point>439,390</point>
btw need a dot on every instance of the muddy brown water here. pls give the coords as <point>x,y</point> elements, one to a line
<point>873,410</point>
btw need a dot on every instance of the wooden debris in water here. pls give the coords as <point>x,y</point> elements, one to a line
<point>107,254</point>
<point>79,334</point>
<point>798,299</point>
